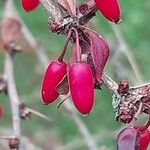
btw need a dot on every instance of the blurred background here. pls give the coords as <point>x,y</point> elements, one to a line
<point>129,60</point>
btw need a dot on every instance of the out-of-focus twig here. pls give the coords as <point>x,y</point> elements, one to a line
<point>89,140</point>
<point>26,143</point>
<point>123,46</point>
<point>13,96</point>
<point>38,114</point>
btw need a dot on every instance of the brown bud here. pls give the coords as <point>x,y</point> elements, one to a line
<point>3,85</point>
<point>123,87</point>
<point>10,32</point>
<point>14,143</point>
<point>23,112</point>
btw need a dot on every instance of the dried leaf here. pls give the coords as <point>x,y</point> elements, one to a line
<point>10,31</point>
<point>69,5</point>
<point>127,139</point>
<point>63,87</point>
<point>100,52</point>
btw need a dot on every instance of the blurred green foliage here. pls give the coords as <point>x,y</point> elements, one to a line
<point>135,27</point>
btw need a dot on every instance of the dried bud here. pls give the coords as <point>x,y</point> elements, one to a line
<point>83,8</point>
<point>126,115</point>
<point>14,143</point>
<point>23,112</point>
<point>55,26</point>
<point>3,85</point>
<point>10,32</point>
<point>123,87</point>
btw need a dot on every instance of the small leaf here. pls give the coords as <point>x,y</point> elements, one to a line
<point>127,139</point>
<point>63,87</point>
<point>69,5</point>
<point>100,52</point>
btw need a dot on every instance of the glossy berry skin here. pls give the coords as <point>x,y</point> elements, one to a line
<point>133,138</point>
<point>54,74</point>
<point>109,9</point>
<point>81,87</point>
<point>144,138</point>
<point>29,5</point>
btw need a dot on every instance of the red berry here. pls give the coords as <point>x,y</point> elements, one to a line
<point>81,87</point>
<point>54,74</point>
<point>29,5</point>
<point>144,139</point>
<point>133,138</point>
<point>109,9</point>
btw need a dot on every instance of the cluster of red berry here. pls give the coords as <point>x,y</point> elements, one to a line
<point>84,70</point>
<point>109,8</point>
<point>79,79</point>
<point>82,73</point>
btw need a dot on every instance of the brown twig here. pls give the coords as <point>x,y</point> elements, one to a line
<point>13,96</point>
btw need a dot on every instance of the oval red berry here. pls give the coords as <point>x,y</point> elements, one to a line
<point>81,87</point>
<point>54,74</point>
<point>144,138</point>
<point>29,5</point>
<point>109,9</point>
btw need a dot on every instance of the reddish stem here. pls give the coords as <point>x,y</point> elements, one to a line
<point>78,48</point>
<point>145,127</point>
<point>61,57</point>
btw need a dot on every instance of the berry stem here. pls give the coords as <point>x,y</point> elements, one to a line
<point>60,58</point>
<point>78,48</point>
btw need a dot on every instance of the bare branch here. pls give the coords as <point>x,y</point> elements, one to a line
<point>38,114</point>
<point>110,84</point>
<point>13,96</point>
<point>52,9</point>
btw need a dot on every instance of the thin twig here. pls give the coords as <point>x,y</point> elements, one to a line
<point>6,137</point>
<point>26,143</point>
<point>13,96</point>
<point>38,114</point>
<point>125,49</point>
<point>89,140</point>
<point>110,84</point>
<point>28,36</point>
